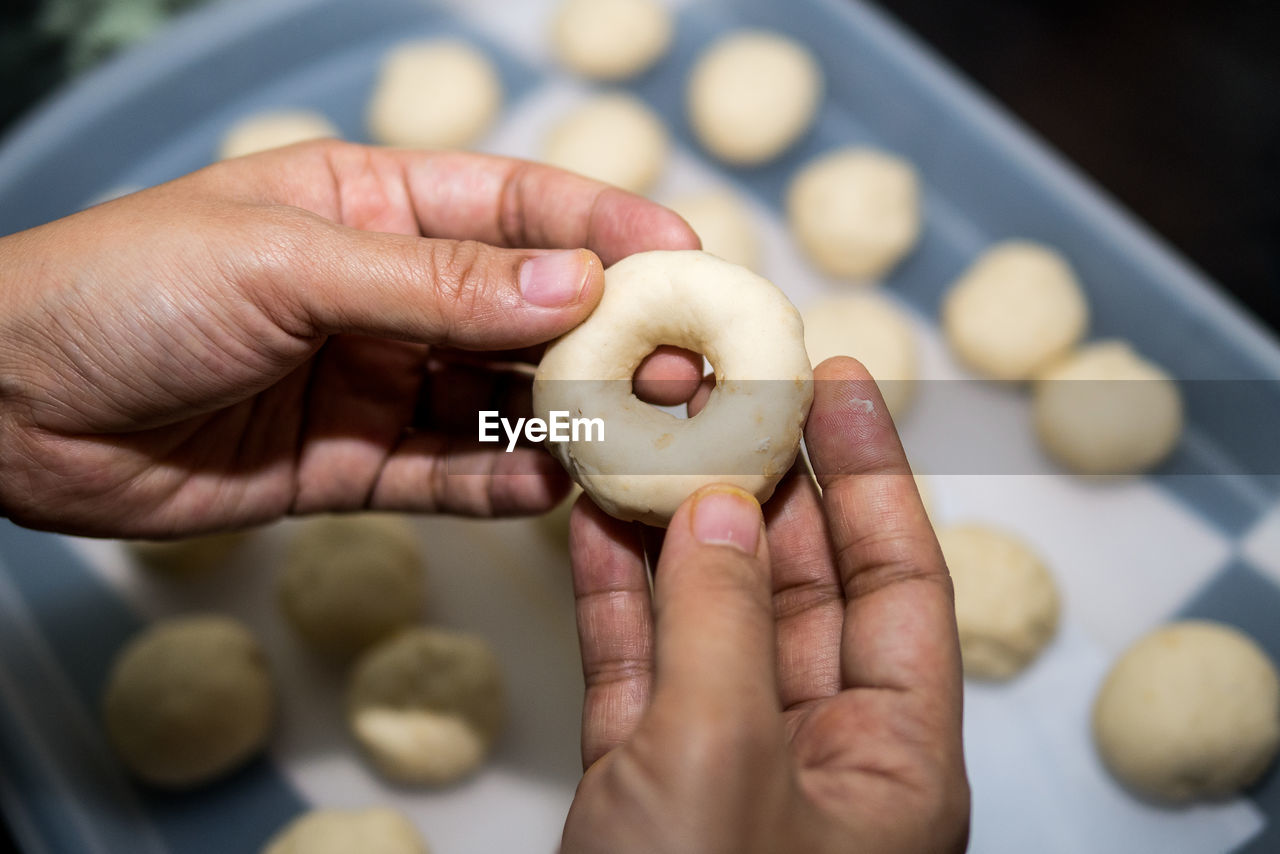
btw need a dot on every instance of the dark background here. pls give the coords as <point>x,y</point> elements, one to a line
<point>1171,106</point>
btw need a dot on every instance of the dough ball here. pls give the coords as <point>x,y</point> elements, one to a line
<point>613,138</point>
<point>1016,310</point>
<point>376,830</point>
<point>434,94</point>
<point>349,581</point>
<point>855,211</point>
<point>190,556</point>
<point>752,94</point>
<point>1190,711</point>
<point>426,705</point>
<point>1006,601</point>
<point>926,496</point>
<point>875,331</point>
<point>1106,410</point>
<point>610,39</point>
<point>188,700</point>
<point>265,131</point>
<point>724,223</point>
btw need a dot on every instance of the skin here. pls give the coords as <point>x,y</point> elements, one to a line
<point>295,332</point>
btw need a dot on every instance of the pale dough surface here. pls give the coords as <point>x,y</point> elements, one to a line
<point>437,93</point>
<point>188,700</point>
<point>724,224</point>
<point>1106,410</point>
<point>348,581</point>
<point>1016,310</point>
<point>872,329</point>
<point>613,138</point>
<point>1191,711</point>
<point>376,830</point>
<point>265,131</point>
<point>426,705</point>
<point>752,94</point>
<point>855,211</point>
<point>748,433</point>
<point>1006,601</point>
<point>610,39</point>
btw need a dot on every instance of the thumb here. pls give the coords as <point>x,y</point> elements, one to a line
<point>713,612</point>
<point>458,293</point>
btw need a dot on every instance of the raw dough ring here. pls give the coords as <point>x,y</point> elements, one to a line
<point>650,461</point>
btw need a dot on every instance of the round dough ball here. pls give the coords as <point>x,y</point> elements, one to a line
<point>1190,711</point>
<point>752,94</point>
<point>724,224</point>
<point>1106,410</point>
<point>855,211</point>
<point>1006,601</point>
<point>376,830</point>
<point>610,39</point>
<point>349,581</point>
<point>1016,310</point>
<point>438,93</point>
<point>613,138</point>
<point>875,331</point>
<point>426,705</point>
<point>189,700</point>
<point>187,557</point>
<point>265,131</point>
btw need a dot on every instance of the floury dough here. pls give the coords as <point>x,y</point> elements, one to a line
<point>1015,311</point>
<point>376,830</point>
<point>723,223</point>
<point>875,331</point>
<point>265,131</point>
<point>1191,711</point>
<point>426,705</point>
<point>1006,601</point>
<point>752,94</point>
<point>610,39</point>
<point>612,138</point>
<point>189,700</point>
<point>1106,410</point>
<point>855,211</point>
<point>438,93</point>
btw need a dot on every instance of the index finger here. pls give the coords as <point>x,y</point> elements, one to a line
<point>900,625</point>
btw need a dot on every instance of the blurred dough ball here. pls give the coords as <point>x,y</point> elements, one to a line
<point>1015,311</point>
<point>752,94</point>
<point>1106,410</point>
<point>872,329</point>
<point>724,224</point>
<point>349,581</point>
<point>1006,601</point>
<point>1190,711</point>
<point>265,131</point>
<point>926,496</point>
<point>376,830</point>
<point>855,211</point>
<point>190,556</point>
<point>434,94</point>
<point>188,700</point>
<point>613,138</point>
<point>610,39</point>
<point>426,705</point>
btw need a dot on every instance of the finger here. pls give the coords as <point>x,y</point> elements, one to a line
<point>899,626</point>
<point>808,604</point>
<point>615,627</point>
<point>714,643</point>
<point>325,279</point>
<point>668,376</point>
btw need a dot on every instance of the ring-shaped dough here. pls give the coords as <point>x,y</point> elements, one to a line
<point>650,460</point>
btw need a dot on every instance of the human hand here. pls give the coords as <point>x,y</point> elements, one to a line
<point>793,684</point>
<point>285,333</point>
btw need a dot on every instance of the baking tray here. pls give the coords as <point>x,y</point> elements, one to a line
<point>1201,536</point>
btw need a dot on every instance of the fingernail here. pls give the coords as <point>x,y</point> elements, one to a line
<point>554,279</point>
<point>727,516</point>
